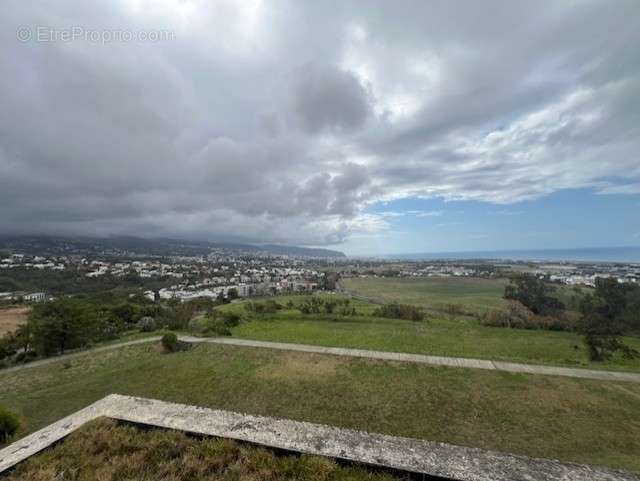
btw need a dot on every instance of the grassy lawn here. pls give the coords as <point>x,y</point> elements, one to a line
<point>112,452</point>
<point>585,421</point>
<point>441,336</point>
<point>474,294</point>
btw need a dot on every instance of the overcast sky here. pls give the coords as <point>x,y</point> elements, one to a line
<point>374,127</point>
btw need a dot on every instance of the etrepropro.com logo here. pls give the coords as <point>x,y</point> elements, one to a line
<point>77,33</point>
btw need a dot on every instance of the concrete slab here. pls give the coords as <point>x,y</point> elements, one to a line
<point>436,459</point>
<point>45,437</point>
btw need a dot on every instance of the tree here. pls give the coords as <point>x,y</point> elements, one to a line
<point>606,316</point>
<point>534,293</point>
<point>61,325</point>
<point>329,281</point>
<point>127,312</point>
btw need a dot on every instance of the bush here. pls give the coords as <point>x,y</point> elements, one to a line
<point>267,307</point>
<point>147,324</point>
<point>25,356</point>
<point>8,346</point>
<point>126,312</point>
<point>454,309</point>
<point>230,319</point>
<point>217,327</point>
<point>210,326</point>
<point>9,424</point>
<point>170,342</point>
<point>315,305</point>
<point>400,311</point>
<point>517,316</point>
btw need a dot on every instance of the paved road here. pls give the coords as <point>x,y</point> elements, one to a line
<point>381,355</point>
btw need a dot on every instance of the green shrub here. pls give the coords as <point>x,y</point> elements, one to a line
<point>170,342</point>
<point>400,311</point>
<point>518,316</point>
<point>266,307</point>
<point>9,424</point>
<point>147,324</point>
<point>127,312</point>
<point>231,319</point>
<point>8,346</point>
<point>457,310</point>
<point>213,325</point>
<point>25,356</point>
<point>217,327</point>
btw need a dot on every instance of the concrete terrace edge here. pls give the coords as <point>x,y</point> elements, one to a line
<point>418,456</point>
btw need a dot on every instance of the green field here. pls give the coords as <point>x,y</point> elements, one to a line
<point>585,421</point>
<point>474,294</point>
<point>441,335</point>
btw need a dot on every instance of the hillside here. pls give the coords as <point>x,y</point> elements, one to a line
<point>149,247</point>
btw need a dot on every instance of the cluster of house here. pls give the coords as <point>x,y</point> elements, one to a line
<point>570,273</point>
<point>24,296</point>
<point>414,270</point>
<point>245,283</point>
<point>590,279</point>
<point>199,276</point>
<point>441,271</point>
<point>146,269</point>
<point>189,292</point>
<point>32,262</point>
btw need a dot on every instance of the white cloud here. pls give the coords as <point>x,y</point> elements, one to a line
<point>624,189</point>
<point>276,121</point>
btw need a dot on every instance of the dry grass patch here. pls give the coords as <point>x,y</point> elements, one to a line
<point>298,366</point>
<point>12,318</point>
<point>106,451</point>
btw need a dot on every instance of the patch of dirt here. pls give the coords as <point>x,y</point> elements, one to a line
<point>11,318</point>
<point>300,366</point>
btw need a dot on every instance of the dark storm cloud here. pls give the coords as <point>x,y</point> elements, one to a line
<point>327,98</point>
<point>281,121</point>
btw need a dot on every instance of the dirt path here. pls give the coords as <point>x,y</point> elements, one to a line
<point>362,353</point>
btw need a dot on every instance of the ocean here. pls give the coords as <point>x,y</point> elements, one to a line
<point>594,254</point>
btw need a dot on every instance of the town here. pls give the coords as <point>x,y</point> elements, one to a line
<point>228,275</point>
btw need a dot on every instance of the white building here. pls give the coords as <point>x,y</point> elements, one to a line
<point>35,297</point>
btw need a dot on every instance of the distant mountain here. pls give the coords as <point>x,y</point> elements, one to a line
<point>150,247</point>
<point>301,251</point>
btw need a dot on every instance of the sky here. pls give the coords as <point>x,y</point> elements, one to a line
<point>371,127</point>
